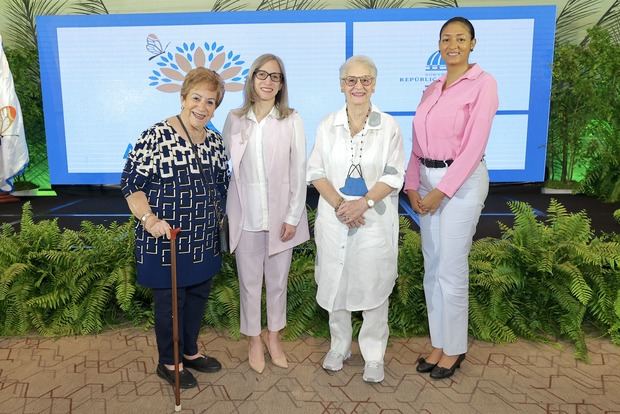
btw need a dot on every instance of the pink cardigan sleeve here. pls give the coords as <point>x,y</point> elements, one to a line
<point>475,137</point>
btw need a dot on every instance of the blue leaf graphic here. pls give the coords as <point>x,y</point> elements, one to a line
<point>153,78</point>
<point>185,46</point>
<point>236,57</point>
<point>239,62</point>
<point>192,46</point>
<point>156,73</point>
<point>213,45</point>
<point>161,63</point>
<point>207,47</point>
<point>236,79</point>
<point>169,55</point>
<point>164,59</point>
<point>229,54</point>
<point>210,57</point>
<point>166,80</point>
<point>189,57</point>
<point>173,66</point>
<point>226,65</point>
<point>153,83</point>
<point>219,49</point>
<point>245,72</point>
<point>180,49</point>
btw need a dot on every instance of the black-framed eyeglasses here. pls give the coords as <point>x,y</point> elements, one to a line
<point>275,76</point>
<point>352,80</point>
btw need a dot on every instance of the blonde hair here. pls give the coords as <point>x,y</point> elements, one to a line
<point>249,94</point>
<point>200,75</point>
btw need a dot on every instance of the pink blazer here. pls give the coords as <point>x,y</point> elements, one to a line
<point>281,187</point>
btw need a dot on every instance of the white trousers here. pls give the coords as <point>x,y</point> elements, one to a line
<point>253,261</point>
<point>446,241</point>
<point>373,335</point>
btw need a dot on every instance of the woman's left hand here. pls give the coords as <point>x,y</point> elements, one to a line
<point>352,210</point>
<point>287,232</point>
<point>431,202</point>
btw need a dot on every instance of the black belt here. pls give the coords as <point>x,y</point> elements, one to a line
<point>435,163</point>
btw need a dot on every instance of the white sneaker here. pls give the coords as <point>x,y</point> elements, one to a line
<point>333,360</point>
<point>373,371</point>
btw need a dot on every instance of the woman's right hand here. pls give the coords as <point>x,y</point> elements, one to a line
<point>414,200</point>
<point>157,227</point>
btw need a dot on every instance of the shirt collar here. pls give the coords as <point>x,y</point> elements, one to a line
<point>341,117</point>
<point>274,113</point>
<point>472,73</point>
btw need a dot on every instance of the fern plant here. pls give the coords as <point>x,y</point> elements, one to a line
<point>61,282</point>
<point>545,279</point>
<point>407,314</point>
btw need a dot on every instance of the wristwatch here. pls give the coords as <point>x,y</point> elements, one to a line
<point>369,202</point>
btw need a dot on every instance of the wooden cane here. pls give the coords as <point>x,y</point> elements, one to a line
<point>175,319</point>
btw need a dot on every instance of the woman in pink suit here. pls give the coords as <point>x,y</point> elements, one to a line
<point>447,182</point>
<point>266,202</point>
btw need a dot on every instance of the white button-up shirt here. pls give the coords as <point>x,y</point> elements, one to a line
<point>356,268</point>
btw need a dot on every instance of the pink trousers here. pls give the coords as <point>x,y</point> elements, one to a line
<point>253,261</point>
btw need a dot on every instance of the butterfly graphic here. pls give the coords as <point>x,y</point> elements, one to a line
<point>7,117</point>
<point>153,45</point>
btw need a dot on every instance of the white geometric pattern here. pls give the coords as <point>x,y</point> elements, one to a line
<point>165,168</point>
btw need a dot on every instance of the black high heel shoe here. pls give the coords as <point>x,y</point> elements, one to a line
<point>424,367</point>
<point>441,372</point>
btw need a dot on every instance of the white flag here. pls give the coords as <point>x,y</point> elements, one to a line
<point>13,148</point>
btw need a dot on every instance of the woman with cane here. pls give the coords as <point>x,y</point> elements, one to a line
<point>176,176</point>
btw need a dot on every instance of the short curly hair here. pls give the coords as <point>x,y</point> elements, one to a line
<point>200,75</point>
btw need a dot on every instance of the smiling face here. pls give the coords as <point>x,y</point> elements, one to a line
<point>455,44</point>
<point>265,90</point>
<point>358,94</point>
<point>199,105</point>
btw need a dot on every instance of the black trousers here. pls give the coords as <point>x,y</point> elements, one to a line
<point>191,302</point>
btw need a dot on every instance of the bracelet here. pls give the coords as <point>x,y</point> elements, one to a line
<point>337,206</point>
<point>145,216</point>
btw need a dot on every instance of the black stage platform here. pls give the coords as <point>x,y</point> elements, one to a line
<point>103,204</point>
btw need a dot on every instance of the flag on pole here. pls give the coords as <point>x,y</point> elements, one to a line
<point>13,148</point>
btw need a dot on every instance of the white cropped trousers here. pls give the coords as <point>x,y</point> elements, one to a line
<point>373,336</point>
<point>446,241</point>
<point>253,261</point>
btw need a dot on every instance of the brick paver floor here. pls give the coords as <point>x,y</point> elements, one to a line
<point>114,373</point>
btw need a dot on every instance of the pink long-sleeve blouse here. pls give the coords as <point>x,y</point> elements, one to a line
<point>453,124</point>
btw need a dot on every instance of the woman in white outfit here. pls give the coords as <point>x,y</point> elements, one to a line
<point>357,166</point>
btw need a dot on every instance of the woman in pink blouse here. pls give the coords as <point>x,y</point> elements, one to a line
<point>447,182</point>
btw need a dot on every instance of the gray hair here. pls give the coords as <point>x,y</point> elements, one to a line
<point>361,59</point>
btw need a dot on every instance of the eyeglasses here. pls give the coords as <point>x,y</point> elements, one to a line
<point>275,76</point>
<point>352,80</point>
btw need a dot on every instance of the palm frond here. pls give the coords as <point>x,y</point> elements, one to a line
<point>610,21</point>
<point>90,7</point>
<point>21,16</point>
<point>439,3</point>
<point>572,17</point>
<point>291,5</point>
<point>228,5</point>
<point>377,4</point>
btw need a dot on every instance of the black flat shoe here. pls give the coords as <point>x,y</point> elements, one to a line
<point>203,364</point>
<point>186,379</point>
<point>441,372</point>
<point>424,366</point>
